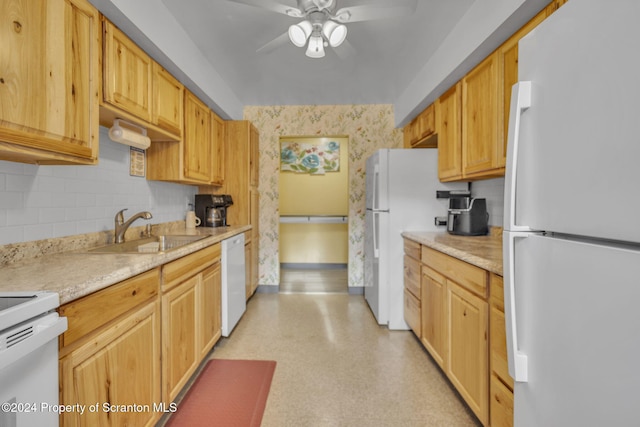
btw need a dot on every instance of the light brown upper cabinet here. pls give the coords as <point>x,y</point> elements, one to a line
<point>482,147</point>
<point>418,133</point>
<point>168,101</point>
<point>198,157</point>
<point>197,140</point>
<point>449,128</point>
<point>49,81</point>
<point>127,74</point>
<point>137,89</point>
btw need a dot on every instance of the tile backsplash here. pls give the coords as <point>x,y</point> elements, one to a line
<point>42,202</point>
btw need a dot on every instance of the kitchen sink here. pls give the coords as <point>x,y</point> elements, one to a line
<point>153,244</point>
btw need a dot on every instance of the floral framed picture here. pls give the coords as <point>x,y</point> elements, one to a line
<point>311,158</point>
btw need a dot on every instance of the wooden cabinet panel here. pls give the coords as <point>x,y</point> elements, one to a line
<point>179,337</point>
<point>468,367</point>
<point>181,269</point>
<point>217,142</point>
<point>168,101</point>
<point>481,119</point>
<point>87,314</point>
<point>469,276</point>
<point>449,128</point>
<point>49,81</point>
<point>197,140</point>
<point>209,295</point>
<point>127,73</point>
<point>412,249</point>
<point>412,276</point>
<point>119,366</point>
<point>412,312</point>
<point>242,157</point>
<point>434,315</point>
<point>501,405</point>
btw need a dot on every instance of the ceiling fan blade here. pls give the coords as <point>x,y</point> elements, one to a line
<point>274,44</point>
<point>376,10</point>
<point>273,6</point>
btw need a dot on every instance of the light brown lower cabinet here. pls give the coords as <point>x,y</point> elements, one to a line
<point>191,315</point>
<point>454,327</point>
<point>118,362</point>
<point>139,341</point>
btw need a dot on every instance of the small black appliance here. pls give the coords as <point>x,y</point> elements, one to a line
<point>212,209</point>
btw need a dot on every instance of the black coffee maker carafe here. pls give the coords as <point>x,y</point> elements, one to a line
<point>212,209</point>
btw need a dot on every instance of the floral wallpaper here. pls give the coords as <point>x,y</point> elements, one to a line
<point>368,127</point>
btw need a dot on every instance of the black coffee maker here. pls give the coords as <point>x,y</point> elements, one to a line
<point>212,209</point>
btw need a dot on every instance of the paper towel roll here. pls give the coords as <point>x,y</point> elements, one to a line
<point>128,137</point>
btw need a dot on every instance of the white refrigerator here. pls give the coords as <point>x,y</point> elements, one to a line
<point>401,189</point>
<point>572,219</point>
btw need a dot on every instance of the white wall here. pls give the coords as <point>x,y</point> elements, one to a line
<point>40,202</point>
<point>493,191</point>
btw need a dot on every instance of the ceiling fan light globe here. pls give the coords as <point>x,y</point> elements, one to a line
<point>334,32</point>
<point>316,47</point>
<point>299,33</point>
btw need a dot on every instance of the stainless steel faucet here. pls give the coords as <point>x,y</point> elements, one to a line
<point>122,226</point>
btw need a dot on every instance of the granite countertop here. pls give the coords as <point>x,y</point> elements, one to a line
<point>482,251</point>
<point>76,273</point>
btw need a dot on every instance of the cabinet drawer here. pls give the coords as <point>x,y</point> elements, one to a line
<point>412,276</point>
<point>469,276</point>
<point>177,271</point>
<point>498,345</point>
<point>97,309</point>
<point>412,312</point>
<point>412,248</point>
<point>501,404</point>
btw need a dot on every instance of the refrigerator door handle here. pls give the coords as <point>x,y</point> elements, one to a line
<point>376,243</point>
<point>376,177</point>
<point>517,360</point>
<point>520,102</point>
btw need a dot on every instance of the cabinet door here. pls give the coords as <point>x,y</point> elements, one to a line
<point>118,366</point>
<point>467,367</point>
<point>168,101</point>
<point>49,80</point>
<point>426,122</point>
<point>449,125</point>
<point>217,136</point>
<point>197,140</point>
<point>481,118</point>
<point>434,314</point>
<point>127,74</point>
<point>179,337</point>
<point>210,305</point>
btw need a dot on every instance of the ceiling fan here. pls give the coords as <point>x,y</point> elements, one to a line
<point>323,24</point>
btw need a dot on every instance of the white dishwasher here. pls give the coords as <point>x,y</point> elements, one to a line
<point>234,301</point>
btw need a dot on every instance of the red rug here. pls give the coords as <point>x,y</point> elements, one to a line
<point>228,393</point>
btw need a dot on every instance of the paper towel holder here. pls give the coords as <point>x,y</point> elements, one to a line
<point>129,137</point>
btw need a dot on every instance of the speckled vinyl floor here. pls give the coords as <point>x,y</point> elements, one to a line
<point>337,367</point>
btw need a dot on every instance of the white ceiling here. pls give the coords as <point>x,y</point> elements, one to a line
<point>385,55</point>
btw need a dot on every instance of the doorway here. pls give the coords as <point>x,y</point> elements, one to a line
<point>314,209</point>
